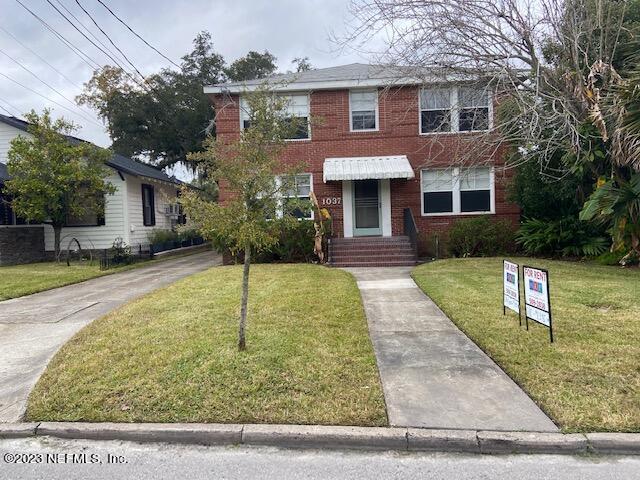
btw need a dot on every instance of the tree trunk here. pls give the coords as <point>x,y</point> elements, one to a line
<point>245,298</point>
<point>57,229</point>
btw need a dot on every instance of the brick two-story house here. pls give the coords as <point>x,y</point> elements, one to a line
<point>385,150</point>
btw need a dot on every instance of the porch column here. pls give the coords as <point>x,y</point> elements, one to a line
<point>347,208</point>
<point>385,206</point>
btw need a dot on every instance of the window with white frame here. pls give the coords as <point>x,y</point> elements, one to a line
<point>457,191</point>
<point>454,109</point>
<point>437,191</point>
<point>473,109</point>
<point>297,107</point>
<point>363,105</point>
<point>435,110</point>
<point>475,190</point>
<point>296,199</point>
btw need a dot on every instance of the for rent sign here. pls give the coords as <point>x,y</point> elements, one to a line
<point>511,290</point>
<point>536,296</point>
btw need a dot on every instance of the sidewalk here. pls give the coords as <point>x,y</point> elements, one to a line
<point>33,328</point>
<point>432,375</point>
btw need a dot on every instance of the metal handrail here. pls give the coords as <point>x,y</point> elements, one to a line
<point>410,228</point>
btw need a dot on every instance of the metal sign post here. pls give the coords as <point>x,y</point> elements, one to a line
<point>536,297</point>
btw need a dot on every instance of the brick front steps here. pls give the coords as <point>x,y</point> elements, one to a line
<point>371,252</point>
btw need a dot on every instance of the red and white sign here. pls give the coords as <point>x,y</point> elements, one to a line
<point>536,295</point>
<point>510,278</point>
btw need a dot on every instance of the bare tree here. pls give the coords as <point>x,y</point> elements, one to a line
<point>551,63</point>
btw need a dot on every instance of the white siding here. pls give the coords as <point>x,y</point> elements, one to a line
<point>101,236</point>
<point>164,194</point>
<point>123,209</point>
<point>7,133</point>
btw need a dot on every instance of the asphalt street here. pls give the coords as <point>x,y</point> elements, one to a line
<point>40,458</point>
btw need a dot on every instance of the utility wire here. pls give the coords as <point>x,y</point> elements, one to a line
<point>109,38</point>
<point>40,80</point>
<point>88,30</point>
<point>41,58</point>
<point>137,35</point>
<point>11,105</point>
<point>83,56</point>
<point>7,110</point>
<point>49,99</point>
<point>85,36</point>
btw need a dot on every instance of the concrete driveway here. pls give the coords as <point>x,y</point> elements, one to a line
<point>432,374</point>
<point>33,328</point>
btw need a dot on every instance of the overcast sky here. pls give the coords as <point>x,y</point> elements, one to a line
<point>287,28</point>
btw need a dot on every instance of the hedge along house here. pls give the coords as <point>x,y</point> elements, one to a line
<point>396,159</point>
<point>145,199</point>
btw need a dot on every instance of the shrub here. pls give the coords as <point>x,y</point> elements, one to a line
<point>480,237</point>
<point>294,245</point>
<point>565,237</point>
<point>188,234</point>
<point>120,252</point>
<point>159,236</point>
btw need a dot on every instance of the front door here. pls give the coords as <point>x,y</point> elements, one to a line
<point>366,208</point>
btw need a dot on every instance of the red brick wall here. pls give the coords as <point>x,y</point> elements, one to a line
<point>397,135</point>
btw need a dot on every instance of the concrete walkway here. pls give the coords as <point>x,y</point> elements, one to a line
<point>432,375</point>
<point>33,328</point>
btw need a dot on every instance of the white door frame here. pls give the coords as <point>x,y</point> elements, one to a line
<point>347,207</point>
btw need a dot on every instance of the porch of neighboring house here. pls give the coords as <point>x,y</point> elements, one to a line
<point>367,237</point>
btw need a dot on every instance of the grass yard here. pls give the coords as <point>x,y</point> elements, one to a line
<point>589,379</point>
<point>20,280</point>
<point>171,356</point>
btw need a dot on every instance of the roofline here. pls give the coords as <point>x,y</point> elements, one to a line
<point>22,125</point>
<point>319,85</point>
<point>119,168</point>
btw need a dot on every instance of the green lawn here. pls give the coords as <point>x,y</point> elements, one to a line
<point>19,280</point>
<point>22,280</point>
<point>171,356</point>
<point>589,379</point>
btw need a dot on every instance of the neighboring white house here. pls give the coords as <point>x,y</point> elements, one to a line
<point>145,199</point>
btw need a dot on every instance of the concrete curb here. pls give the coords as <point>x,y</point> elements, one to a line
<point>336,437</point>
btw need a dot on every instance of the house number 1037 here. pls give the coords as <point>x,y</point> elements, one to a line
<point>331,200</point>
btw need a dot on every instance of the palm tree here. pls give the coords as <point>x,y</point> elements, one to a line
<point>617,203</point>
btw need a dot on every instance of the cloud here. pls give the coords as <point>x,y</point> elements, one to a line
<point>287,28</point>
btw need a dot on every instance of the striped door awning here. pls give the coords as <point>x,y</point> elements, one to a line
<point>364,168</point>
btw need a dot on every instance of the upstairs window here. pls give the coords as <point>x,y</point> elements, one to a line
<point>297,107</point>
<point>435,110</point>
<point>148,206</point>
<point>454,109</point>
<point>474,109</point>
<point>363,106</point>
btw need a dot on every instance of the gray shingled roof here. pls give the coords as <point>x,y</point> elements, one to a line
<point>344,76</point>
<point>353,71</point>
<point>119,162</point>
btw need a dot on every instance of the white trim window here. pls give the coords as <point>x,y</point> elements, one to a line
<point>457,191</point>
<point>435,110</point>
<point>297,201</point>
<point>363,110</point>
<point>454,109</point>
<point>297,107</point>
<point>473,109</point>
